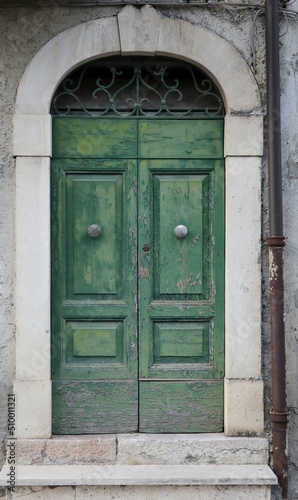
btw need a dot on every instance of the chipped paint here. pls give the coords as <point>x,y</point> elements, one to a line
<point>143,272</point>
<point>273,268</point>
<point>181,286</point>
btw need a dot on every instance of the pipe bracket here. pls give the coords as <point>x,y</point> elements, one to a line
<point>279,416</point>
<point>275,241</point>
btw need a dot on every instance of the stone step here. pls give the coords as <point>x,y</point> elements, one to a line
<point>140,475</point>
<point>143,449</point>
<point>192,449</point>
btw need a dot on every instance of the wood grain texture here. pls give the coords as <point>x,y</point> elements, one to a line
<point>181,139</point>
<point>94,407</point>
<point>95,198</point>
<point>78,137</point>
<point>181,407</point>
<point>94,286</point>
<point>179,342</point>
<point>177,199</point>
<point>95,340</point>
<point>183,279</point>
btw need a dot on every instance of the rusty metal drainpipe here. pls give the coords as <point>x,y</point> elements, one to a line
<point>276,242</point>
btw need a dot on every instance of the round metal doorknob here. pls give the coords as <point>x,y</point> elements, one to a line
<point>180,231</point>
<point>94,231</point>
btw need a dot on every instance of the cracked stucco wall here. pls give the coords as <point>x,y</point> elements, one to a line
<point>23,32</point>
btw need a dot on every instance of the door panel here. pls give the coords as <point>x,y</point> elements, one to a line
<point>178,200</point>
<point>180,342</point>
<point>171,310</point>
<point>181,335</point>
<point>94,294</point>
<point>90,138</point>
<point>181,407</point>
<point>150,361</point>
<point>180,139</point>
<point>91,262</point>
<point>171,266</point>
<point>94,407</point>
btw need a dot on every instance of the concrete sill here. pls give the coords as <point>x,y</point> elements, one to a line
<point>123,475</point>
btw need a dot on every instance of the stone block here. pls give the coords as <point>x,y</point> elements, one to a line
<point>243,269</point>
<point>67,450</point>
<point>190,449</point>
<point>144,493</point>
<point>173,493</point>
<point>142,475</point>
<point>41,493</point>
<point>138,29</point>
<point>32,293</point>
<point>243,135</point>
<point>33,409</point>
<point>32,135</point>
<point>244,412</point>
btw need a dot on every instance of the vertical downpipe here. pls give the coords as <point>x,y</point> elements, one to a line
<point>276,242</point>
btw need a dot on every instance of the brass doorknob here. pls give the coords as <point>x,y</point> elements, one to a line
<point>94,231</point>
<point>180,231</point>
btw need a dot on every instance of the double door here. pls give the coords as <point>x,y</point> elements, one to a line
<point>137,276</point>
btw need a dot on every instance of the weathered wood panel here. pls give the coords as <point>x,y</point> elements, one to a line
<point>90,138</point>
<point>177,199</point>
<point>181,139</point>
<point>82,407</point>
<point>181,406</point>
<point>181,282</point>
<point>94,199</point>
<point>97,340</point>
<point>94,287</point>
<point>180,342</point>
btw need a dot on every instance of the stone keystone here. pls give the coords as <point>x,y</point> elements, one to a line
<point>138,30</point>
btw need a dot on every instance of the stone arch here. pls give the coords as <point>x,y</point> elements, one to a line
<point>138,32</point>
<point>142,32</point>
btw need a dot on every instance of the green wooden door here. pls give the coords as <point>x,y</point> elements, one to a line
<point>137,312</point>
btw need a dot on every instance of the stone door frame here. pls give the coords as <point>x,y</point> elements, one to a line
<point>139,32</point>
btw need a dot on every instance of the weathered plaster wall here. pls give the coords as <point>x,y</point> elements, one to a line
<point>289,99</point>
<point>289,131</point>
<point>22,33</point>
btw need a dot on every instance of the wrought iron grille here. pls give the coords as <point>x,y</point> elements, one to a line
<point>138,88</point>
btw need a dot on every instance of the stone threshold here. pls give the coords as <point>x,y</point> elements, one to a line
<point>143,449</point>
<point>140,475</point>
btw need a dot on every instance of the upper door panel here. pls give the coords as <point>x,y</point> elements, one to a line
<point>90,138</point>
<point>181,139</point>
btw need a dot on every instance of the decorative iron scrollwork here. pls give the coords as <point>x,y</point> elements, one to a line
<point>146,88</point>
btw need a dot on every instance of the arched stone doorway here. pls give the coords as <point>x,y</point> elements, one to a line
<point>242,149</point>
